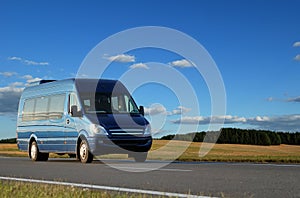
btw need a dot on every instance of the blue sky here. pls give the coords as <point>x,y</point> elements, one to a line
<point>255,45</point>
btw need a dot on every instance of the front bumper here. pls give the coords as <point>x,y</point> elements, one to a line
<point>110,145</point>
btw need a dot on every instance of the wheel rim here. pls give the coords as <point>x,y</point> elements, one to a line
<point>83,151</point>
<point>33,151</point>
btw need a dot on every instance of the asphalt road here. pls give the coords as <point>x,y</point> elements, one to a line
<point>209,179</point>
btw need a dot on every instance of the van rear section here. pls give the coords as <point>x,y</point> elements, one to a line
<point>83,118</point>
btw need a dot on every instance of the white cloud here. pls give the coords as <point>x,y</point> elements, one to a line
<point>27,77</point>
<point>230,119</point>
<point>201,120</point>
<point>181,63</point>
<point>270,99</point>
<point>123,58</point>
<point>8,74</point>
<point>191,120</point>
<point>296,99</point>
<point>9,97</point>
<point>296,44</point>
<point>179,110</point>
<point>15,58</point>
<point>297,58</point>
<point>17,84</point>
<point>33,80</point>
<point>155,109</point>
<point>30,79</point>
<point>27,62</point>
<point>30,62</point>
<point>279,123</point>
<point>139,65</point>
<point>10,88</point>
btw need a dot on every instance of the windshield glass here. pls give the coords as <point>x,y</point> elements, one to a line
<point>106,103</point>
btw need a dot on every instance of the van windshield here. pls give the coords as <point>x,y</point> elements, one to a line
<point>106,103</point>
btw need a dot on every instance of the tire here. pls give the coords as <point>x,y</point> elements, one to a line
<point>44,156</point>
<point>85,156</point>
<point>140,157</point>
<point>35,154</point>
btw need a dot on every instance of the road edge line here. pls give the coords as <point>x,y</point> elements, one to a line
<point>99,187</point>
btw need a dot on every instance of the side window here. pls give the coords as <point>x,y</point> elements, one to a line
<point>117,103</point>
<point>28,110</point>
<point>41,108</point>
<point>129,104</point>
<point>56,106</point>
<point>131,107</point>
<point>73,101</point>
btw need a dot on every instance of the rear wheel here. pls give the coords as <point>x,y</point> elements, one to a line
<point>35,154</point>
<point>140,157</point>
<point>85,155</point>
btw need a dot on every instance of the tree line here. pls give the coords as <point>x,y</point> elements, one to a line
<point>9,141</point>
<point>240,136</point>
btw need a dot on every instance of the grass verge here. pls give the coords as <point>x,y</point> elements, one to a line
<point>26,189</point>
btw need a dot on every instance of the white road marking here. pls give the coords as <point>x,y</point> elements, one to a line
<point>159,169</point>
<point>134,166</point>
<point>109,188</point>
<point>276,165</point>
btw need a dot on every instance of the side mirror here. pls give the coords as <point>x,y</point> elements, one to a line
<point>75,112</point>
<point>142,111</point>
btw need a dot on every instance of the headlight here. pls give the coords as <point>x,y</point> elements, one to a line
<point>97,129</point>
<point>147,130</point>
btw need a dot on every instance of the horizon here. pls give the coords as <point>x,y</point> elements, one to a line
<point>255,45</point>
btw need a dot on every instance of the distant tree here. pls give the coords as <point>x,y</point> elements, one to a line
<point>263,139</point>
<point>199,137</point>
<point>167,137</point>
<point>274,138</point>
<point>240,136</point>
<point>9,141</point>
<point>297,138</point>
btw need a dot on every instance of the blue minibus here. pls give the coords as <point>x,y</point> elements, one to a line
<point>83,118</point>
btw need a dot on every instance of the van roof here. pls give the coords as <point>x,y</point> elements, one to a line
<point>83,85</point>
<point>99,85</point>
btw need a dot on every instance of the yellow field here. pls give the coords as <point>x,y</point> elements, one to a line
<point>170,150</point>
<point>11,150</point>
<point>233,152</point>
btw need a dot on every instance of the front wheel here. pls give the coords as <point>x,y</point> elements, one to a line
<point>35,154</point>
<point>140,157</point>
<point>85,155</point>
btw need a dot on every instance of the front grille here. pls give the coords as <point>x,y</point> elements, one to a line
<point>126,132</point>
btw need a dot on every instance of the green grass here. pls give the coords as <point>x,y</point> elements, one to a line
<point>25,189</point>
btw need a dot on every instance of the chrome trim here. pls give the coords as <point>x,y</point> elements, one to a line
<point>126,131</point>
<point>138,130</point>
